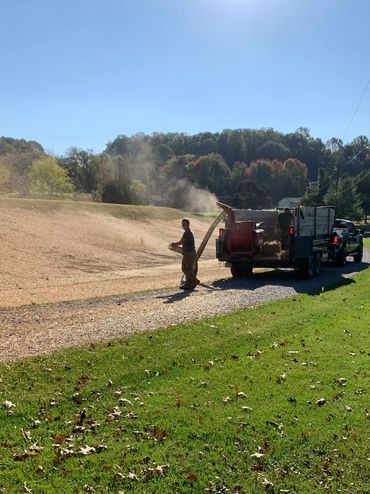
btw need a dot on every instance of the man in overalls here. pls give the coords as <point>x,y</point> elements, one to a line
<point>189,256</point>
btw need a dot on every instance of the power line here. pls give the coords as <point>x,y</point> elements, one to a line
<point>356,184</point>
<point>329,178</point>
<point>356,109</point>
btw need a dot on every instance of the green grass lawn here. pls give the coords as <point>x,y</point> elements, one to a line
<point>268,399</point>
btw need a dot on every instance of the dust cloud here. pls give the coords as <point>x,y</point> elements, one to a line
<point>183,194</point>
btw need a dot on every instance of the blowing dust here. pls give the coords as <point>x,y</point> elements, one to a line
<point>182,194</point>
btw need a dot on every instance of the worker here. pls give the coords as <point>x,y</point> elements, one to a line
<point>189,257</point>
<point>285,219</point>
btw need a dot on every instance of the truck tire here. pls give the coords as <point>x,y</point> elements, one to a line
<point>317,267</point>
<point>236,270</point>
<point>341,257</point>
<point>358,257</point>
<point>307,267</point>
<point>239,270</point>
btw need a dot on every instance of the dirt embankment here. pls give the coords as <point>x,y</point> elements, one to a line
<point>64,253</point>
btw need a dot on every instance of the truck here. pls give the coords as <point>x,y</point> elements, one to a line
<point>253,239</point>
<point>347,240</point>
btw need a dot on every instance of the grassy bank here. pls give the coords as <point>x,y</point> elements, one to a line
<point>126,211</point>
<point>267,399</point>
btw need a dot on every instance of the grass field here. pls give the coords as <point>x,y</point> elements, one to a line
<point>268,399</point>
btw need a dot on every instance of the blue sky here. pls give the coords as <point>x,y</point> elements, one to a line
<point>78,73</point>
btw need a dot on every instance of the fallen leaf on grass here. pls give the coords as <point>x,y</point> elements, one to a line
<point>87,450</point>
<point>8,405</point>
<point>267,483</point>
<point>124,402</point>
<point>81,417</point>
<point>29,453</point>
<point>161,469</point>
<point>159,434</point>
<point>58,439</point>
<point>26,489</point>
<point>280,379</point>
<point>257,455</point>
<point>192,477</point>
<point>26,435</point>
<point>132,476</point>
<point>342,381</point>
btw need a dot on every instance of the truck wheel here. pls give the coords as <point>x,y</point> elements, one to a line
<point>241,270</point>
<point>341,257</point>
<point>248,270</point>
<point>358,257</point>
<point>317,268</point>
<point>236,270</point>
<point>307,268</point>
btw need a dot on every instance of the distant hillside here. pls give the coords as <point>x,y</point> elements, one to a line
<point>9,145</point>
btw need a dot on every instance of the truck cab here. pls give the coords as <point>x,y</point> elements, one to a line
<point>347,240</point>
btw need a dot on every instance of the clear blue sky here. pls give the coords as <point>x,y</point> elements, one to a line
<point>78,73</point>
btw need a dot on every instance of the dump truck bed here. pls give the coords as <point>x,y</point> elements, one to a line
<point>253,238</point>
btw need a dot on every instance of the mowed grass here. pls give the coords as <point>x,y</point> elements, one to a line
<point>268,399</point>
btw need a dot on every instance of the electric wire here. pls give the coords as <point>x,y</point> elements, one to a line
<point>356,109</point>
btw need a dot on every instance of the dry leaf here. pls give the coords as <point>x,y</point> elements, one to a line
<point>87,450</point>
<point>267,484</point>
<point>8,404</point>
<point>257,455</point>
<point>58,439</point>
<point>192,477</point>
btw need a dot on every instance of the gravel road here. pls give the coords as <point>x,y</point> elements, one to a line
<point>40,329</point>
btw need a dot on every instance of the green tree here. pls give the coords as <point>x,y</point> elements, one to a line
<point>46,177</point>
<point>260,172</point>
<point>251,196</point>
<point>4,177</point>
<point>293,178</point>
<point>274,150</point>
<point>82,169</point>
<point>176,168</point>
<point>211,172</point>
<point>363,188</point>
<point>139,192</point>
<point>345,199</point>
<point>315,192</point>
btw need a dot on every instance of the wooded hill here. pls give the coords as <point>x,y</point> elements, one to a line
<point>252,168</point>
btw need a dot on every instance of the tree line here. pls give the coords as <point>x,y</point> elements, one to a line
<point>250,168</point>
